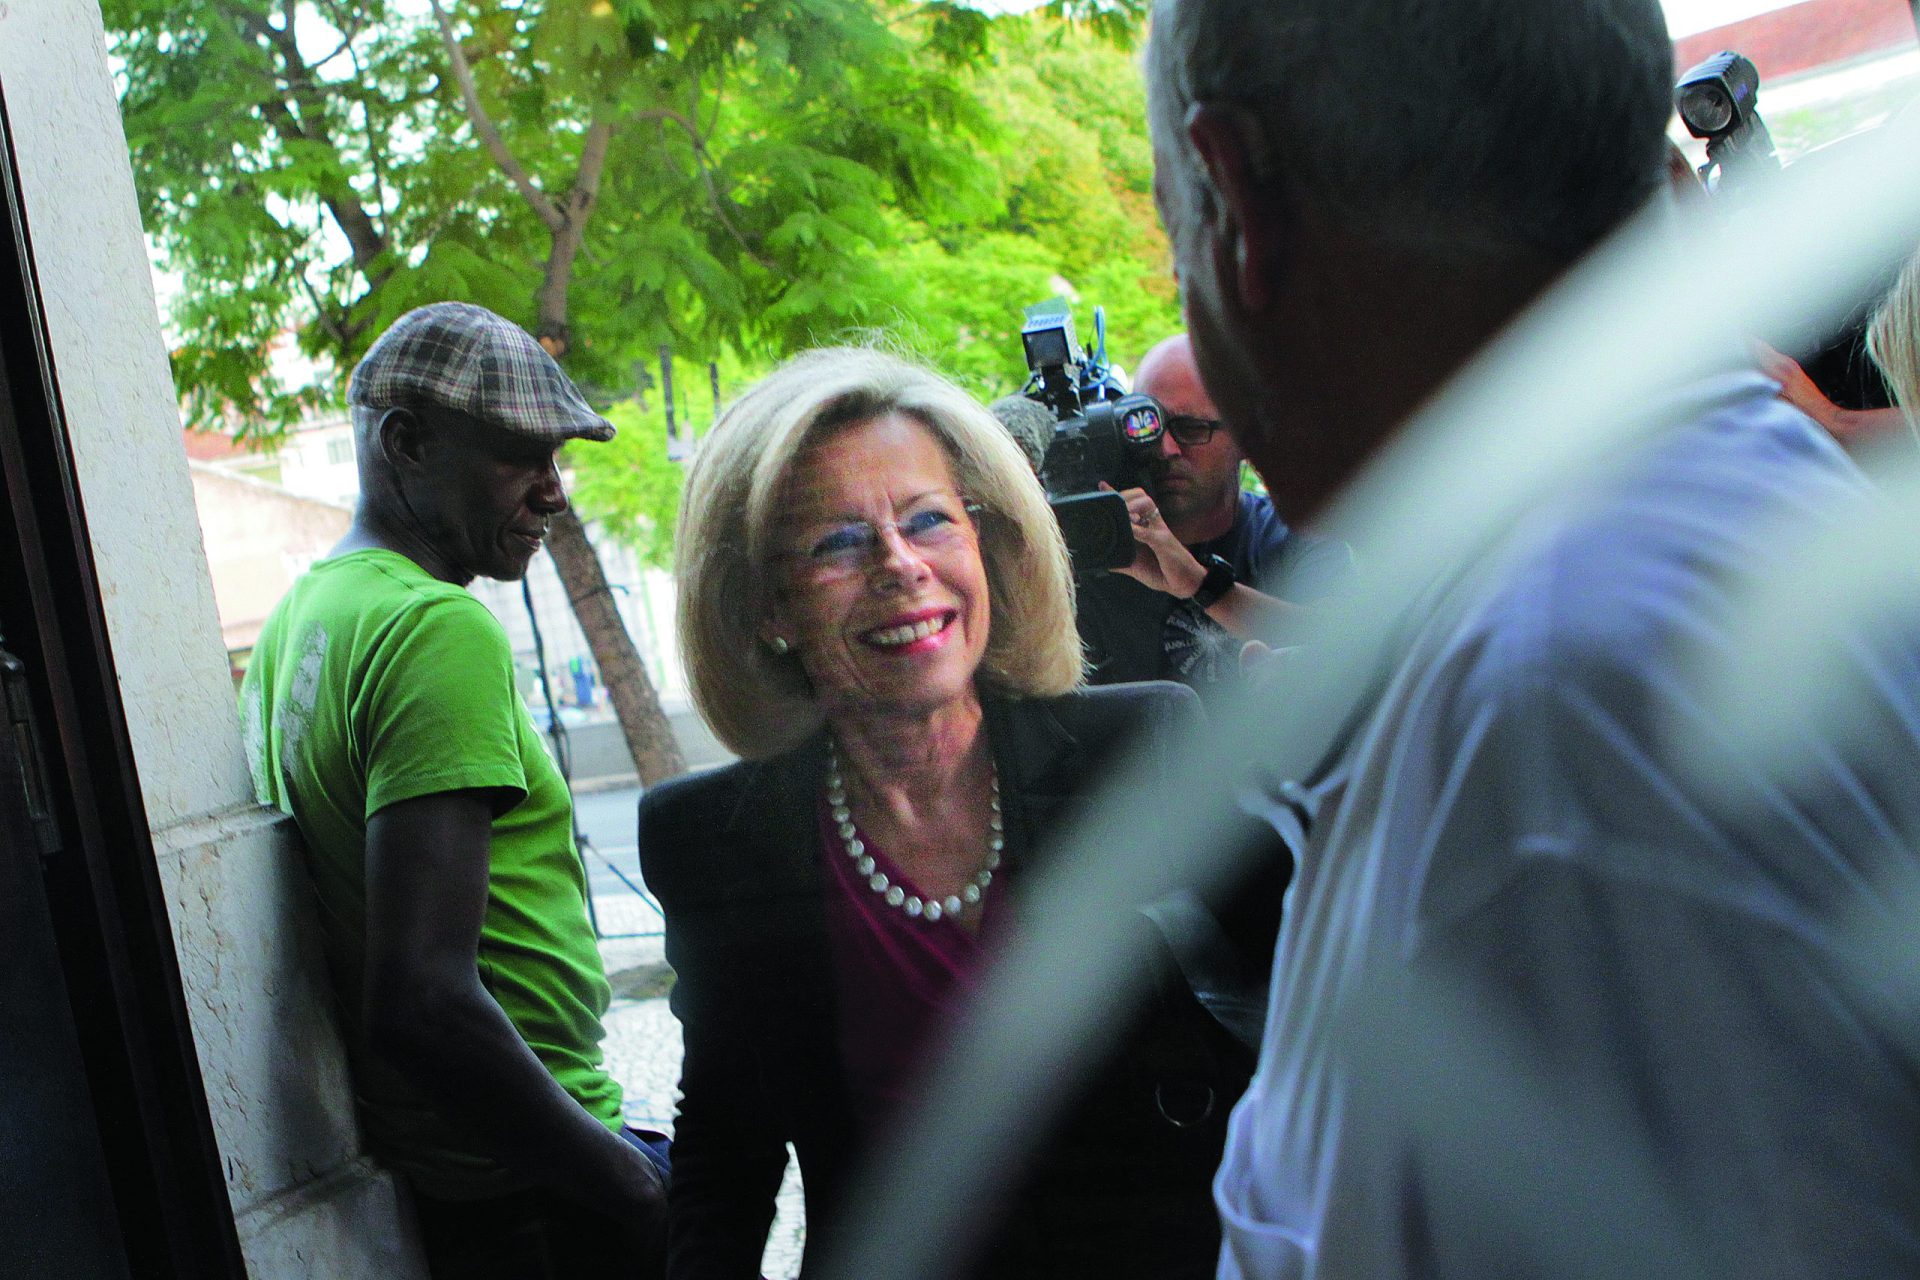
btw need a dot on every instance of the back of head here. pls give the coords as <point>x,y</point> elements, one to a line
<point>1168,373</point>
<point>1168,358</point>
<point>1482,127</point>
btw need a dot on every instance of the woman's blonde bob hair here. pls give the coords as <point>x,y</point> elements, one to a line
<point>1893,340</point>
<point>760,704</point>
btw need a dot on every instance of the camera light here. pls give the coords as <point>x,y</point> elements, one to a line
<point>1705,109</point>
<point>1046,348</point>
<point>1717,97</point>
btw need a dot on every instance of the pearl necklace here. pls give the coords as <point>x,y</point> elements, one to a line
<point>932,909</point>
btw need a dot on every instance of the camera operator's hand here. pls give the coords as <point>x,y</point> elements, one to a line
<point>1162,561</point>
<point>1159,559</point>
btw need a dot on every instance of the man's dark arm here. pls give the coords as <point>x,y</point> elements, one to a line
<point>428,1014</point>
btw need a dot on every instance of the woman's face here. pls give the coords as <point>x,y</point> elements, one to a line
<point>879,587</point>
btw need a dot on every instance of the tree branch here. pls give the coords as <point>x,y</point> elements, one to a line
<point>365,239</point>
<point>451,211</point>
<point>593,161</point>
<point>702,161</point>
<point>326,317</point>
<point>668,113</point>
<point>656,753</point>
<point>345,46</point>
<point>555,331</point>
<point>376,145</point>
<point>489,132</point>
<point>718,97</point>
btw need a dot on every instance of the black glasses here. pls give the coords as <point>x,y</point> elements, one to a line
<point>1190,431</point>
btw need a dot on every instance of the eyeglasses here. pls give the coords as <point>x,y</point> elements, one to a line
<point>844,549</point>
<point>1190,431</point>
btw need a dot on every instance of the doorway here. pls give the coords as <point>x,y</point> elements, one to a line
<point>110,1166</point>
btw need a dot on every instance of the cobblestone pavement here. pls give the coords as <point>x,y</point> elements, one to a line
<point>643,1053</point>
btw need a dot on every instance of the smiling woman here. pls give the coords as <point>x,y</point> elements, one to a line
<point>876,609</point>
<point>760,471</point>
<point>883,597</point>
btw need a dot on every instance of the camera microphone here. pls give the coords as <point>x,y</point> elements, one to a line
<point>1029,422</point>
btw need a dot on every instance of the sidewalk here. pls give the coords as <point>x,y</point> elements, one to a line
<point>643,1053</point>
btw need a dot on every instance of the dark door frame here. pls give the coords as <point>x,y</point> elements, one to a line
<point>104,894</point>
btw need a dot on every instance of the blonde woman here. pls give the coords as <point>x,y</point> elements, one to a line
<point>1893,340</point>
<point>877,614</point>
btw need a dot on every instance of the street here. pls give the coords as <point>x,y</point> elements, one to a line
<point>606,820</point>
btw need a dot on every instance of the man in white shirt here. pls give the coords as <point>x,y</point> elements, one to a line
<point>1544,1004</point>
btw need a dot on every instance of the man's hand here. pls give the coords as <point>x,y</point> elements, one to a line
<point>427,1013</point>
<point>1851,427</point>
<point>1159,559</point>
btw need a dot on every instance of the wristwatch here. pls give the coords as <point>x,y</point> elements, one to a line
<point>1217,583</point>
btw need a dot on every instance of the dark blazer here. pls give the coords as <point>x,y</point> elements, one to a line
<point>734,857</point>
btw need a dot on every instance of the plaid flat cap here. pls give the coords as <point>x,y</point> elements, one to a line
<point>462,357</point>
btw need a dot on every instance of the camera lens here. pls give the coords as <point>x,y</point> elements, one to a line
<point>1705,108</point>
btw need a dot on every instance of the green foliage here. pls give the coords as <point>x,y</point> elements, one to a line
<point>313,164</point>
<point>1071,212</point>
<point>776,176</point>
<point>1116,22</point>
<point>630,484</point>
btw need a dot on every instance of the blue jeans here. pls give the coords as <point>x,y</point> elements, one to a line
<point>657,1147</point>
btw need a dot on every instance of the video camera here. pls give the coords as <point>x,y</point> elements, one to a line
<point>1716,101</point>
<point>1101,432</point>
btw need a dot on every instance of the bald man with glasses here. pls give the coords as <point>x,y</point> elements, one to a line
<point>1192,597</point>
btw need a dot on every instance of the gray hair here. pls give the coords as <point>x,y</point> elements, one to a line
<point>760,703</point>
<point>1473,126</point>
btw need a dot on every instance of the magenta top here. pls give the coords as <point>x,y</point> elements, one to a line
<point>899,979</point>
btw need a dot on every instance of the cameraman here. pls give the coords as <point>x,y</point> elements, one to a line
<point>1185,607</point>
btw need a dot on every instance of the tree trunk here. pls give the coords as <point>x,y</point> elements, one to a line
<point>635,702</point>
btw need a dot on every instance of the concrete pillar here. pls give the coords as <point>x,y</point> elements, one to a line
<point>306,1199</point>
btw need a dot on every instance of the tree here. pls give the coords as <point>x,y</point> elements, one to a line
<point>724,169</point>
<point>1063,197</point>
<point>1072,208</point>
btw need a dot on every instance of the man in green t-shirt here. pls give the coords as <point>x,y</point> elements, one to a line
<point>382,713</point>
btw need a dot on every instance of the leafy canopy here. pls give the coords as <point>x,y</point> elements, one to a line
<point>732,179</point>
<point>314,165</point>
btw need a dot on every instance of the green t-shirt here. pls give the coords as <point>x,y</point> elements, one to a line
<point>374,682</point>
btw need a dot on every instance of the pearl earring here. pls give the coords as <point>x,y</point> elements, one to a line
<point>779,645</point>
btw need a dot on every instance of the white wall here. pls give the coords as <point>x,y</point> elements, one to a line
<point>317,461</point>
<point>306,1201</point>
<point>257,538</point>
